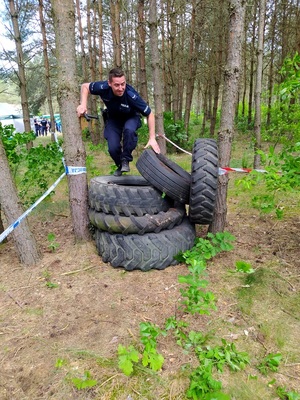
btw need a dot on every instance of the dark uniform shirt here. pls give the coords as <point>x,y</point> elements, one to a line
<point>126,106</point>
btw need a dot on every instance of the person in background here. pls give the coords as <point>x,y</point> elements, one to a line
<point>124,109</point>
<point>37,127</point>
<point>58,125</point>
<point>44,127</point>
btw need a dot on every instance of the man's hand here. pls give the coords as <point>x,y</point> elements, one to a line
<point>153,143</point>
<point>81,110</point>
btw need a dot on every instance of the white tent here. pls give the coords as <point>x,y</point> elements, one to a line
<point>11,114</point>
<point>7,109</point>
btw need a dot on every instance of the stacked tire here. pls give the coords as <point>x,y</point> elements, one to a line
<point>141,221</point>
<point>136,227</point>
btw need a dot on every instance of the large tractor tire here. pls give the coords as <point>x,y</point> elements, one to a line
<point>204,181</point>
<point>164,175</point>
<point>145,252</point>
<point>126,195</point>
<point>133,224</point>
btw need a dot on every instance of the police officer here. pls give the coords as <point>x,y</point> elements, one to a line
<point>125,107</point>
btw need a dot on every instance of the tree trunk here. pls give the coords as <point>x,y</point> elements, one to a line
<point>24,240</point>
<point>2,226</point>
<point>100,40</point>
<point>156,73</point>
<point>83,55</point>
<point>259,70</point>
<point>64,24</point>
<point>271,67</point>
<point>47,70</point>
<point>116,34</point>
<point>217,70</point>
<point>252,56</point>
<point>141,51</point>
<point>192,63</point>
<point>94,128</point>
<point>21,68</point>
<point>229,99</point>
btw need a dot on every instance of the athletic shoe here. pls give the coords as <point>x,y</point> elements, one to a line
<point>118,172</point>
<point>125,166</point>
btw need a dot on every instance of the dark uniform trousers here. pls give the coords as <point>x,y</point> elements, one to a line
<point>121,137</point>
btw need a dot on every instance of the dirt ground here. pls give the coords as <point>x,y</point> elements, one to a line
<point>93,307</point>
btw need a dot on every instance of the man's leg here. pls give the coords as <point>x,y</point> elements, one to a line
<point>113,135</point>
<point>130,138</point>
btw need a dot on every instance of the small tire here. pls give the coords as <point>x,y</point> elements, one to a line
<point>164,175</point>
<point>204,181</point>
<point>126,195</point>
<point>145,252</point>
<point>133,224</point>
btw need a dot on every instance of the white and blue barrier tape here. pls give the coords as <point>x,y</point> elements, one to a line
<point>69,170</point>
<point>24,215</point>
<point>75,170</point>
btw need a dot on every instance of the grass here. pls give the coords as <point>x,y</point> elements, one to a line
<point>265,302</point>
<point>258,311</point>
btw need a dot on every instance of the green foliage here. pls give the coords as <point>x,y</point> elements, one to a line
<point>195,119</point>
<point>195,299</point>
<point>242,124</point>
<point>178,328</point>
<point>53,245</point>
<point>211,358</point>
<point>60,362</point>
<point>148,334</point>
<point>270,363</point>
<point>285,111</point>
<point>84,382</point>
<point>86,134</point>
<point>224,355</point>
<point>47,277</point>
<point>290,72</point>
<point>282,174</point>
<point>202,382</point>
<point>188,340</point>
<point>127,356</point>
<point>15,145</point>
<point>287,395</point>
<point>242,266</point>
<point>205,249</point>
<point>174,130</point>
<point>150,357</point>
<point>203,385</point>
<point>91,168</point>
<point>43,163</point>
<point>32,169</point>
<point>51,285</point>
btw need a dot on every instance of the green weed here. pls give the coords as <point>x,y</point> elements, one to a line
<point>84,382</point>
<point>270,363</point>
<point>53,245</point>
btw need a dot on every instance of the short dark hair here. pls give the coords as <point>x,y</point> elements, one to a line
<point>115,73</point>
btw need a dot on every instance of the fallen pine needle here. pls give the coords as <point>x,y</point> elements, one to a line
<point>109,379</point>
<point>79,270</point>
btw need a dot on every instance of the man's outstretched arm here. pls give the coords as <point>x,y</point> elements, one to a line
<point>152,140</point>
<point>84,94</point>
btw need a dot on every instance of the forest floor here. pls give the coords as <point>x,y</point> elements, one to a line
<point>64,318</point>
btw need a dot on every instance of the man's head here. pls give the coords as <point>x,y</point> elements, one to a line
<point>117,81</point>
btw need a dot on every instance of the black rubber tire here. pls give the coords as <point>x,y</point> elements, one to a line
<point>204,181</point>
<point>126,195</point>
<point>145,252</point>
<point>175,167</point>
<point>164,177</point>
<point>133,224</point>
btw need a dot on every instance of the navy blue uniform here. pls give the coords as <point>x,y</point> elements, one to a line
<point>124,118</point>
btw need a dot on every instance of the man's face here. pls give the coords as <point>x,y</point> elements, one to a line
<point>118,85</point>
